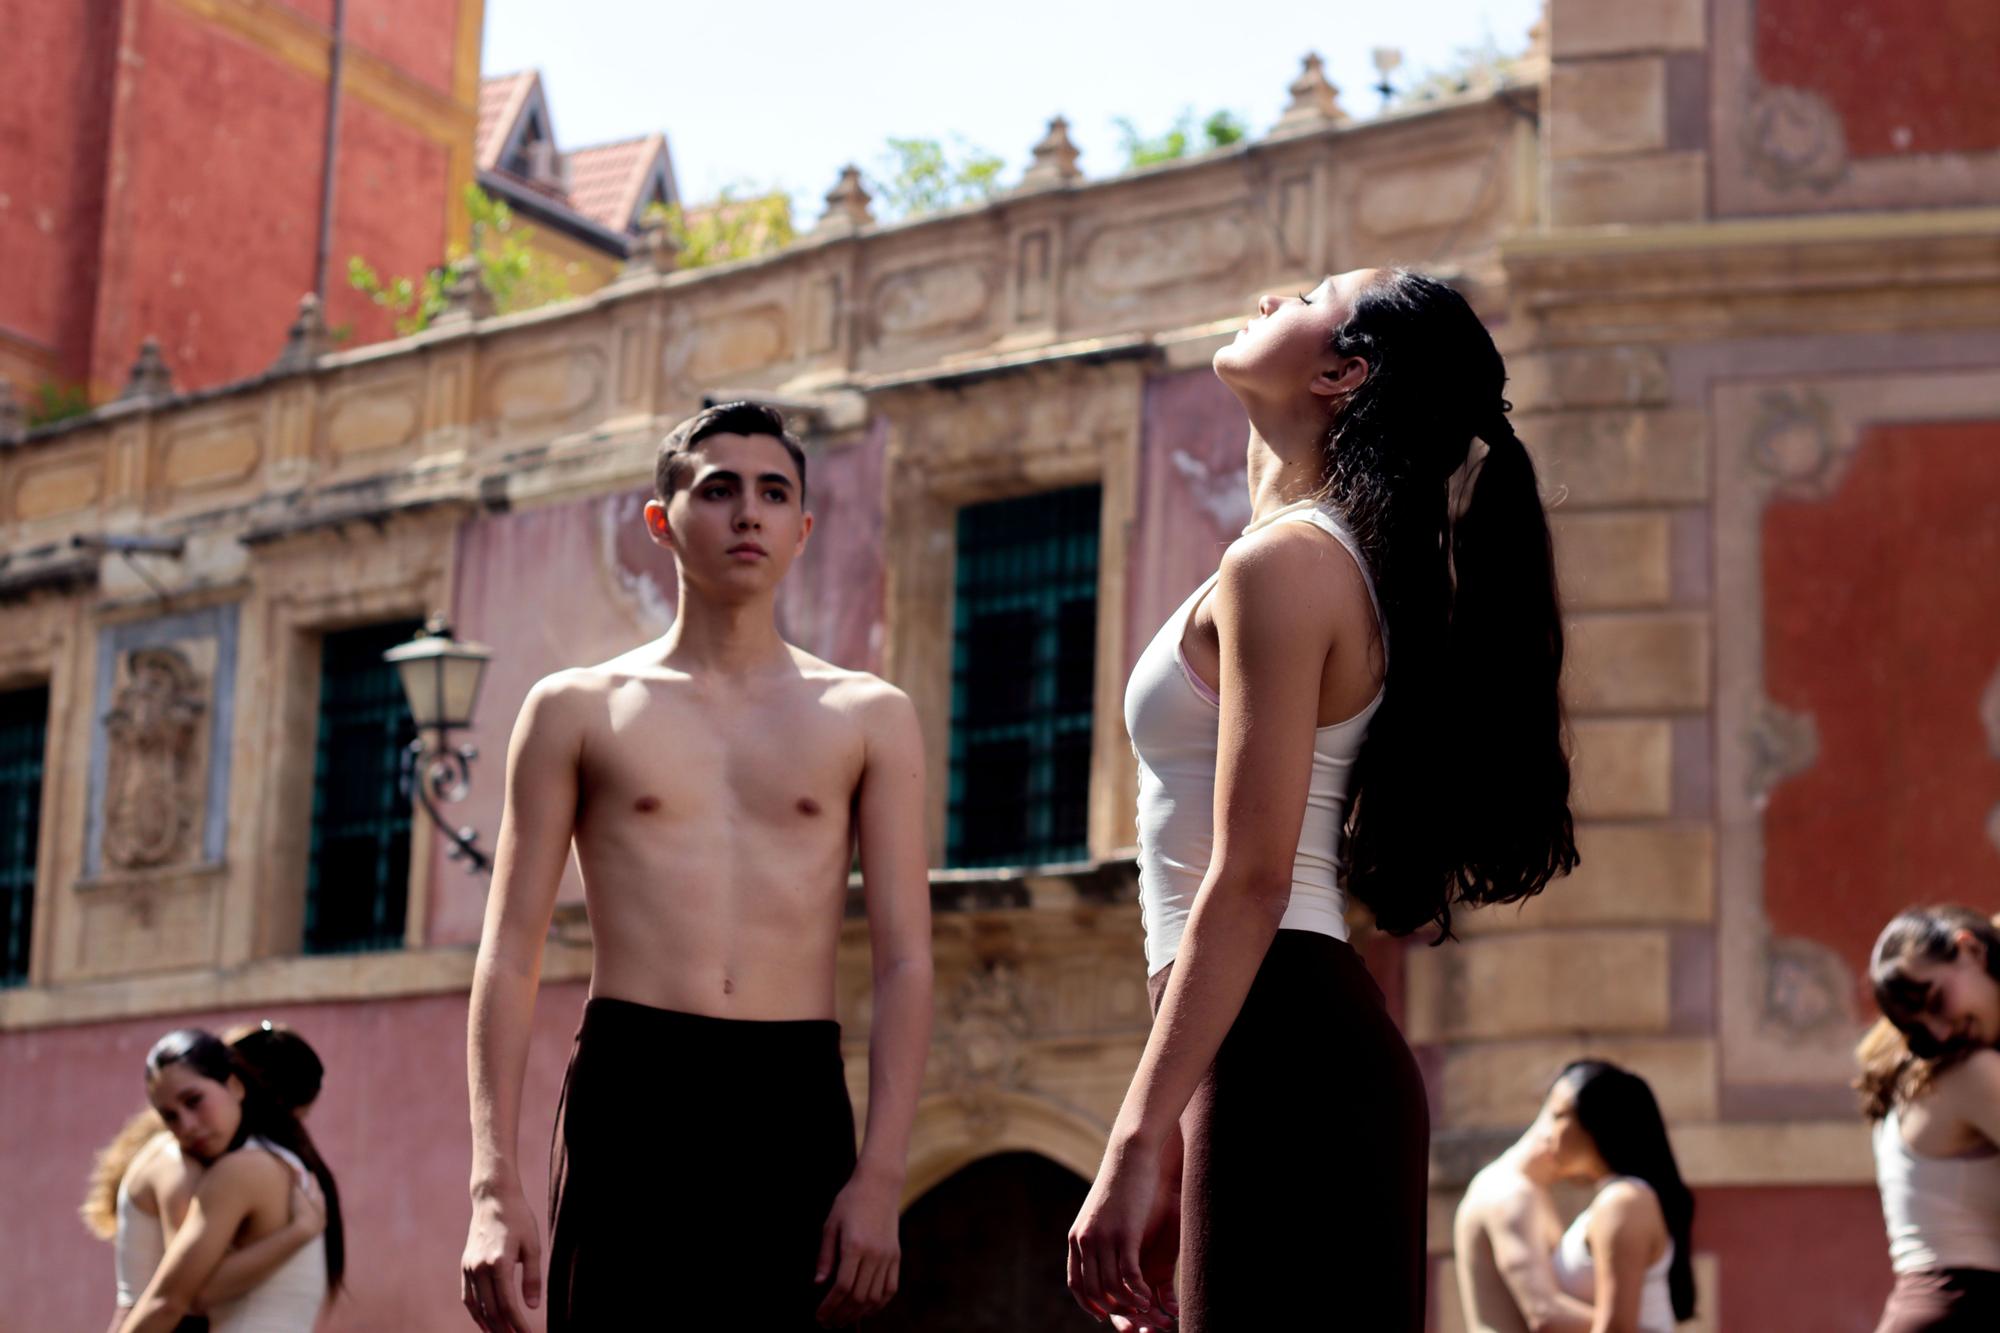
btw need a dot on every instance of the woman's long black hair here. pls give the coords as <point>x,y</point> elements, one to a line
<point>1617,1109</point>
<point>263,1116</point>
<point>1461,790</point>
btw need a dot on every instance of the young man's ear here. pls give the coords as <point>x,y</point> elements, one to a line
<point>805,531</point>
<point>656,524</point>
<point>1339,380</point>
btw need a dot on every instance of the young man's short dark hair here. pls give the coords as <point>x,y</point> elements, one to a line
<point>671,463</point>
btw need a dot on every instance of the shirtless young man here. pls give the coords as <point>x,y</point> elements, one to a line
<point>715,783</point>
<point>1504,1241</point>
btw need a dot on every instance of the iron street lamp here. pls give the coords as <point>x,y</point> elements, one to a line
<point>441,676</point>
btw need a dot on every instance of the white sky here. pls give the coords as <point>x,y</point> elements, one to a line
<point>784,92</point>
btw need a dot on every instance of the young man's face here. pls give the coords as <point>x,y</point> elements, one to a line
<point>736,521</point>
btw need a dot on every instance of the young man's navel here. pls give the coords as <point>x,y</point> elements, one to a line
<point>647,804</point>
<point>808,806</point>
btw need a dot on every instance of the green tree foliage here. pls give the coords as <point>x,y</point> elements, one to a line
<point>53,401</point>
<point>1221,129</point>
<point>919,176</point>
<point>737,225</point>
<point>514,273</point>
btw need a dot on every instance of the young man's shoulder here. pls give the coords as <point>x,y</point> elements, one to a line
<point>847,687</point>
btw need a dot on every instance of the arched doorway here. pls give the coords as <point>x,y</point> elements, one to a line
<point>983,1251</point>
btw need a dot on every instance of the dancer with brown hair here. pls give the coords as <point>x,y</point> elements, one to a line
<point>716,785</point>
<point>1930,1086</point>
<point>1364,699</point>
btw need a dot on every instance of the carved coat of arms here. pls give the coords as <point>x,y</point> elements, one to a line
<point>153,786</point>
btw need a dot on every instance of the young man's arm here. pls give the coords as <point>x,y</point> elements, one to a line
<point>1526,1267</point>
<point>859,1248</point>
<point>533,846</point>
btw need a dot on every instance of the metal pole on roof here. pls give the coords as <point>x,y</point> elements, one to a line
<point>326,179</point>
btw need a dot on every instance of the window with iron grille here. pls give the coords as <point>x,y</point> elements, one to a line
<point>1024,658</point>
<point>358,877</point>
<point>24,733</point>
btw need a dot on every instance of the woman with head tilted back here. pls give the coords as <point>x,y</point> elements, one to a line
<point>1930,1084</point>
<point>141,1184</point>
<point>1363,700</point>
<point>253,1150</point>
<point>1628,1256</point>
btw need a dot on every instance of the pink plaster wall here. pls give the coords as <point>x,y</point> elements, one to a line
<point>1193,497</point>
<point>391,1123</point>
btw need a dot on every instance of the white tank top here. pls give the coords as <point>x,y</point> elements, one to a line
<point>1172,718</point>
<point>1941,1212</point>
<point>289,1300</point>
<point>141,1240</point>
<point>1576,1269</point>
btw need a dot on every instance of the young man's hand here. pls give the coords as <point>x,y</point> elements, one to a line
<point>860,1249</point>
<point>502,1237</point>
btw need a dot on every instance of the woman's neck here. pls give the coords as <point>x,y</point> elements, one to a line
<point>1279,477</point>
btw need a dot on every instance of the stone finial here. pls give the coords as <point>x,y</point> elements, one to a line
<point>306,341</point>
<point>150,377</point>
<point>465,294</point>
<point>1315,102</point>
<point>846,203</point>
<point>1534,62</point>
<point>13,421</point>
<point>654,250</point>
<point>1055,158</point>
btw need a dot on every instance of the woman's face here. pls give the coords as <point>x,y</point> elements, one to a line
<point>202,1114</point>
<point>1961,1005</point>
<point>1286,349</point>
<point>1565,1141</point>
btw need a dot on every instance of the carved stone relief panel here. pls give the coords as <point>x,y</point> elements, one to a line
<point>60,487</point>
<point>209,451</point>
<point>1135,257</point>
<point>160,755</point>
<point>374,417</point>
<point>545,387</point>
<point>153,784</point>
<point>930,299</point>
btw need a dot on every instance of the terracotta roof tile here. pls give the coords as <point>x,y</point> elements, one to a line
<point>606,181</point>
<point>500,101</point>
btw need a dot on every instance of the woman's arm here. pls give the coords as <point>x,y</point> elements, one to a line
<point>241,1270</point>
<point>1275,608</point>
<point>1627,1233</point>
<point>221,1203</point>
<point>1527,1269</point>
<point>1971,1091</point>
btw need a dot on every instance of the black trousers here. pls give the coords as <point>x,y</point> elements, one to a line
<point>693,1165</point>
<point>1304,1186</point>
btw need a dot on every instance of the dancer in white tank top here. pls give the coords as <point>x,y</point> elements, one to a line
<point>1365,700</point>
<point>1930,1084</point>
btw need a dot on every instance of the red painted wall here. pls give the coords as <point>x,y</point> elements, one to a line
<point>1801,1257</point>
<point>55,65</point>
<point>392,1124</point>
<point>1883,624</point>
<point>1901,80</point>
<point>175,192</point>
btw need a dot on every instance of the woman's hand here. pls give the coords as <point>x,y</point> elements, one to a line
<point>308,1217</point>
<point>1105,1272</point>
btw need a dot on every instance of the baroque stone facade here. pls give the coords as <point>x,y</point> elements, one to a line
<point>1732,373</point>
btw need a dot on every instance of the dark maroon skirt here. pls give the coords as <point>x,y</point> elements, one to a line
<point>1943,1300</point>
<point>1305,1186</point>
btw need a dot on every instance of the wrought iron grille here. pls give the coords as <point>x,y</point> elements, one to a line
<point>24,734</point>
<point>1024,657</point>
<point>358,877</point>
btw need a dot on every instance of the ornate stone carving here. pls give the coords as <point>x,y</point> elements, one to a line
<point>930,299</point>
<point>306,341</point>
<point>724,345</point>
<point>655,250</point>
<point>373,417</point>
<point>1796,445</point>
<point>1806,987</point>
<point>846,204</point>
<point>1055,159</point>
<point>211,453</point>
<point>149,377</point>
<point>1793,137</point>
<point>544,387</point>
<point>982,1049</point>
<point>1782,743</point>
<point>1140,256</point>
<point>1315,101</point>
<point>154,781</point>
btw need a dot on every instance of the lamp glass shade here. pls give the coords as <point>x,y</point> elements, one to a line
<point>441,678</point>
